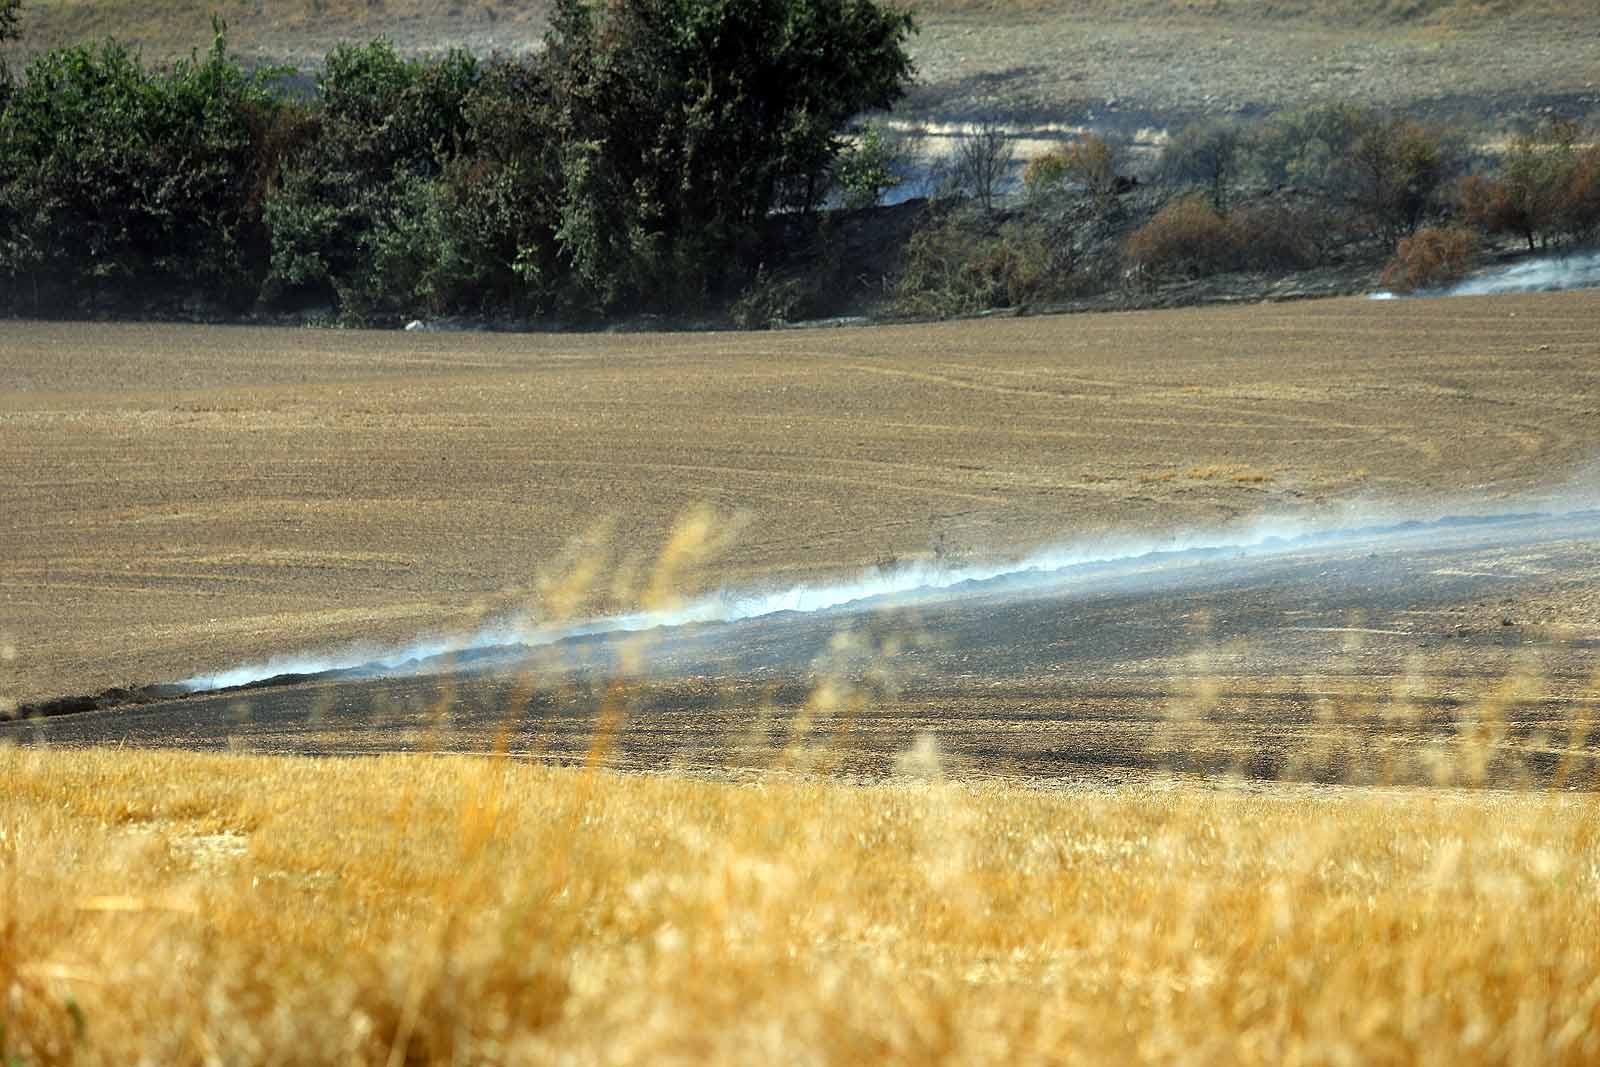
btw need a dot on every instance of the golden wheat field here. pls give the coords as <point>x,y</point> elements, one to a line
<point>908,878</point>
<point>175,908</point>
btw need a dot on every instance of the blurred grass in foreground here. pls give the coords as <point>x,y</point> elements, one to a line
<point>184,908</point>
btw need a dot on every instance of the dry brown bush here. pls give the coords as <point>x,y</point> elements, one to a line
<point>1186,237</point>
<point>1430,258</point>
<point>1090,161</point>
<point>1189,238</point>
<point>962,264</point>
<point>1273,236</point>
<point>1487,203</point>
<point>1581,203</point>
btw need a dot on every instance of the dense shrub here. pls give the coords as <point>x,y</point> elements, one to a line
<point>1205,155</point>
<point>1089,162</point>
<point>962,263</point>
<point>631,164</point>
<point>1275,236</point>
<point>1188,238</point>
<point>1430,258</point>
<point>352,217</point>
<point>771,299</point>
<point>120,185</point>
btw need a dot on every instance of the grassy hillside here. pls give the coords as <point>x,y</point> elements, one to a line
<point>1326,12</point>
<point>304,29</point>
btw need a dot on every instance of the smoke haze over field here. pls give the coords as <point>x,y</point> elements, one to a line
<point>1544,274</point>
<point>1159,560</point>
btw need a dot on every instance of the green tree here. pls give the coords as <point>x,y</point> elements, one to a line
<point>1531,196</point>
<point>120,183</point>
<point>866,169</point>
<point>1306,146</point>
<point>1207,155</point>
<point>685,123</point>
<point>351,216</point>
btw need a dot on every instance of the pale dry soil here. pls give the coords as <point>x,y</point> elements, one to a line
<point>181,499</point>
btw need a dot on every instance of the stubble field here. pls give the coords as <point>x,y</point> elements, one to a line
<point>180,500</point>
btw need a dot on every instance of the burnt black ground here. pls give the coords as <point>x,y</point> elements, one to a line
<point>1377,660</point>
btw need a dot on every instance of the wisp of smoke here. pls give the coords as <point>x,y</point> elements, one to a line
<point>1051,567</point>
<point>1545,274</point>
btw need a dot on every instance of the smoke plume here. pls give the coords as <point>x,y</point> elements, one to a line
<point>1544,274</point>
<point>1153,558</point>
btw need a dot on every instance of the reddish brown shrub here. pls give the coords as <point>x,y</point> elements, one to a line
<point>1487,203</point>
<point>1431,257</point>
<point>1581,202</point>
<point>1187,238</point>
<point>1190,239</point>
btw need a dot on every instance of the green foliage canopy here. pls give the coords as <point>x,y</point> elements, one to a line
<point>686,122</point>
<point>114,179</point>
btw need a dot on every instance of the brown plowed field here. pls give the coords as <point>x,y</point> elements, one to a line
<point>179,499</point>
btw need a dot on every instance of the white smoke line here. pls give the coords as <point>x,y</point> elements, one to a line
<point>1545,274</point>
<point>922,579</point>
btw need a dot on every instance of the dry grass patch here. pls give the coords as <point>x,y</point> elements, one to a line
<point>1210,472</point>
<point>421,909</point>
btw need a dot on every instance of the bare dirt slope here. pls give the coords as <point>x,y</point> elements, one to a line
<point>180,499</point>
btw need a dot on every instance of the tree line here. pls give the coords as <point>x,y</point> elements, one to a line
<point>671,157</point>
<point>631,165</point>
